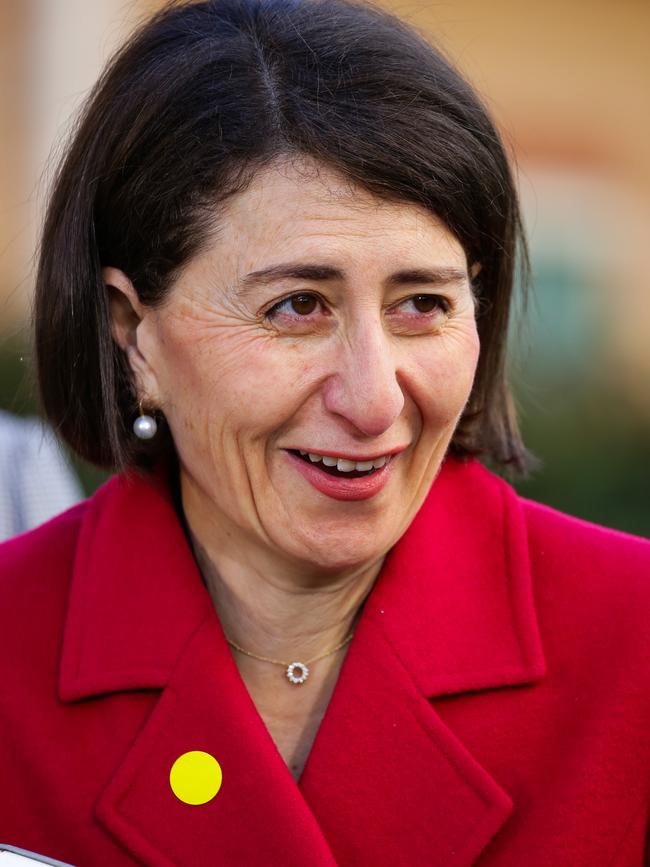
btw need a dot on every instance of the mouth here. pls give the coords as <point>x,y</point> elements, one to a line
<point>343,479</point>
<point>332,469</point>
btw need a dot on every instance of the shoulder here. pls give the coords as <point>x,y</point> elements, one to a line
<point>590,583</point>
<point>38,564</point>
<point>559,538</point>
<point>565,552</point>
<point>36,570</point>
<point>31,561</point>
<point>592,588</point>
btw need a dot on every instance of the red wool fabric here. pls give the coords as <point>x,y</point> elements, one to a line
<point>493,707</point>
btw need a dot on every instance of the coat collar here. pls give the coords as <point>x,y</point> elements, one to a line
<point>452,610</point>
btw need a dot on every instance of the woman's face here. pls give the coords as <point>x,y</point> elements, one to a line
<point>346,360</point>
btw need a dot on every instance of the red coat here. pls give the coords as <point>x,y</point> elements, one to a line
<point>493,707</point>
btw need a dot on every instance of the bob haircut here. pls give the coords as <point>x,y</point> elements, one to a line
<point>201,97</point>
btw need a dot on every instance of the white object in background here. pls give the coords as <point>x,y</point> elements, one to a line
<point>36,480</point>
<point>12,856</point>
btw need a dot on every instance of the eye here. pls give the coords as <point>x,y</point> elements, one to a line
<point>305,303</point>
<point>302,304</point>
<point>428,303</point>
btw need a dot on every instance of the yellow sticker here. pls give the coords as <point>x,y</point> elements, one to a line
<point>195,777</point>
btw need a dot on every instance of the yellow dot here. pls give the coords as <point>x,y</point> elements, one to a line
<point>195,777</point>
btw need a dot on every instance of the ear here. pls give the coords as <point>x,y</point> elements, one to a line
<point>127,314</point>
<point>475,270</point>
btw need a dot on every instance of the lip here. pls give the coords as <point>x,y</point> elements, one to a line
<point>349,457</point>
<point>341,488</point>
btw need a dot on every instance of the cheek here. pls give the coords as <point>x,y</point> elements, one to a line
<point>443,371</point>
<point>230,379</point>
<point>239,378</point>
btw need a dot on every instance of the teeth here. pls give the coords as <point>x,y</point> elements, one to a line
<point>343,465</point>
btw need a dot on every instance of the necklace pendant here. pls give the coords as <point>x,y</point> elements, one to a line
<point>301,676</point>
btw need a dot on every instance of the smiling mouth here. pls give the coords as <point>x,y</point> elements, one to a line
<point>333,471</point>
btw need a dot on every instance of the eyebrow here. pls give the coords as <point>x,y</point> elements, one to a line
<point>442,276</point>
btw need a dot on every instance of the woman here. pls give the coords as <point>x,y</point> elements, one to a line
<point>304,624</point>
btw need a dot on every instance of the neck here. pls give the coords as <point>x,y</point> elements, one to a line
<point>269,606</point>
<point>267,615</point>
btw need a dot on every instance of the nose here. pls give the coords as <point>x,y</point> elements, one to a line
<point>364,388</point>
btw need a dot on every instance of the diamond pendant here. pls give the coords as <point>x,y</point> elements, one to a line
<point>303,673</point>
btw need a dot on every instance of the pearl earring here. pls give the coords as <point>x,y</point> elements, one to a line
<point>144,427</point>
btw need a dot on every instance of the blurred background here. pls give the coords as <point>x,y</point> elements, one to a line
<point>569,86</point>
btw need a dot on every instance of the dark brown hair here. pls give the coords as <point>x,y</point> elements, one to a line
<point>200,98</point>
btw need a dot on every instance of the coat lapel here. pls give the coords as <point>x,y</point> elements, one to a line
<point>140,617</point>
<point>386,781</point>
<point>257,817</point>
<point>451,611</point>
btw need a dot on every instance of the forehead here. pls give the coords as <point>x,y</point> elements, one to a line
<point>302,206</point>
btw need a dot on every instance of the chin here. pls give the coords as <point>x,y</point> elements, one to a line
<point>341,552</point>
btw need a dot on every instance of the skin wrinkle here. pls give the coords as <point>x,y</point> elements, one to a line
<point>288,567</point>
